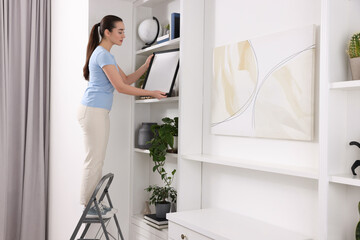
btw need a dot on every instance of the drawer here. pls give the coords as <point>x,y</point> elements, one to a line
<point>178,232</point>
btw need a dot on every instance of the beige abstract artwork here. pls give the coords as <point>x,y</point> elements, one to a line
<point>263,87</point>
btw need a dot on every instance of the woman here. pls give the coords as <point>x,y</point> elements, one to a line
<point>104,75</point>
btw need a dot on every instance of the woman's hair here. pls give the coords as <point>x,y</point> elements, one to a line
<point>108,22</point>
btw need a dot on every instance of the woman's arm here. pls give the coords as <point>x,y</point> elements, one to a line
<point>116,80</point>
<point>130,79</point>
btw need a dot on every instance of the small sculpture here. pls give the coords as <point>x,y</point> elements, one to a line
<point>357,162</point>
<point>147,208</point>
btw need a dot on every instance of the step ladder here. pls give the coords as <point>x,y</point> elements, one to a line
<point>103,221</point>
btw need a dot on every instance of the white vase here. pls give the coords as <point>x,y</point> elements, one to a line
<point>355,68</point>
<point>176,142</point>
<point>147,208</point>
<point>173,149</point>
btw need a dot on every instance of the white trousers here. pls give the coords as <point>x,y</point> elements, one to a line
<point>95,124</point>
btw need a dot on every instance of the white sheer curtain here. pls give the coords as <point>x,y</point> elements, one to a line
<point>24,118</point>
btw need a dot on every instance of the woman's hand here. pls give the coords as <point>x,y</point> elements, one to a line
<point>148,60</point>
<point>158,94</point>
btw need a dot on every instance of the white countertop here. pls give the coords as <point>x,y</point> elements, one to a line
<point>220,225</point>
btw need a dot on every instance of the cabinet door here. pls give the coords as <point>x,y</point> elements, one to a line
<point>177,232</point>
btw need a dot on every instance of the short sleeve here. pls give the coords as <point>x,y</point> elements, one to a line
<point>104,58</point>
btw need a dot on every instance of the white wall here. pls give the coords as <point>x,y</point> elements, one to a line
<point>264,196</point>
<point>117,158</point>
<point>69,35</point>
<point>70,32</point>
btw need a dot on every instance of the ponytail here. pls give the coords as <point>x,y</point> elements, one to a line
<point>108,22</point>
<point>94,41</point>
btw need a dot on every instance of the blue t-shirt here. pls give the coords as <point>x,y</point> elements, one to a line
<point>99,92</point>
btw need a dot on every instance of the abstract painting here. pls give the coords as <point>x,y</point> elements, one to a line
<point>264,87</point>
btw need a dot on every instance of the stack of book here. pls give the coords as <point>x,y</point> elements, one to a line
<point>158,223</point>
<point>163,39</point>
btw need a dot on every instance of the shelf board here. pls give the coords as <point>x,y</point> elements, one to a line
<point>346,179</point>
<point>154,100</point>
<point>346,85</point>
<point>224,225</point>
<point>139,150</point>
<point>138,220</point>
<point>174,43</point>
<point>296,171</point>
<point>146,151</point>
<point>148,3</point>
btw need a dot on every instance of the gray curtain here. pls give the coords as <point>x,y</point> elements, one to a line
<point>24,118</point>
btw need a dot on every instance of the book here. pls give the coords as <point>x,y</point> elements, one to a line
<point>158,221</point>
<point>162,39</point>
<point>175,25</point>
<point>155,225</point>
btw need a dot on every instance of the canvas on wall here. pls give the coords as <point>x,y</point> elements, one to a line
<point>264,87</point>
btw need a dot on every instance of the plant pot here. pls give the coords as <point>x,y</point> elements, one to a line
<point>162,209</point>
<point>145,135</point>
<point>175,146</point>
<point>355,68</point>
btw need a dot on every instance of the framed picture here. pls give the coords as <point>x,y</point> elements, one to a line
<point>162,71</point>
<point>264,87</point>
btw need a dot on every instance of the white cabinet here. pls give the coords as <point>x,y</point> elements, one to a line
<point>178,232</point>
<point>218,224</point>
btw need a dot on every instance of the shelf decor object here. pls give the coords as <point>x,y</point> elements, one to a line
<point>354,55</point>
<point>175,25</point>
<point>148,31</point>
<point>162,71</point>
<point>264,87</point>
<point>357,162</point>
<point>145,135</point>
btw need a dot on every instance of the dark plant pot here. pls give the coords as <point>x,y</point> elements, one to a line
<point>145,135</point>
<point>162,209</point>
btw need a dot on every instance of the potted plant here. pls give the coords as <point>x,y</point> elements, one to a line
<point>164,134</point>
<point>165,138</point>
<point>162,197</point>
<point>354,55</point>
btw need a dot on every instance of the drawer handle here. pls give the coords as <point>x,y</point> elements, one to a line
<point>183,236</point>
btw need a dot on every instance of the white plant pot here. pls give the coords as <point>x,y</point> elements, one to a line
<point>174,149</point>
<point>355,68</point>
<point>176,142</point>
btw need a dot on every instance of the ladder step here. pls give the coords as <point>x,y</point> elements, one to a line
<point>94,220</point>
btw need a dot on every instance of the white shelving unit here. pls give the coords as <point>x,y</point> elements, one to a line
<point>338,192</point>
<point>149,110</point>
<point>339,118</point>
